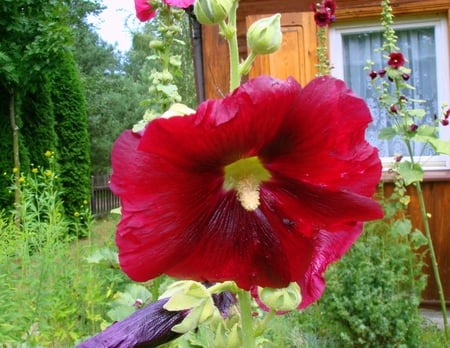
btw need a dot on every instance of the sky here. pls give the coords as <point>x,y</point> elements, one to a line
<point>112,22</point>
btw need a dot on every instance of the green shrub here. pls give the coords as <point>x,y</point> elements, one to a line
<point>374,292</point>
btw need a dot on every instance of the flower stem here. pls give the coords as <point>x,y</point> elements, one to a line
<point>235,76</point>
<point>434,263</point>
<point>433,258</point>
<point>248,340</point>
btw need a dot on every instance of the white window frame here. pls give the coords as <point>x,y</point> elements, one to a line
<point>429,163</point>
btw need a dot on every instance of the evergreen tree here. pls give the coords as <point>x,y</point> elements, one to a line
<point>38,130</point>
<point>71,129</point>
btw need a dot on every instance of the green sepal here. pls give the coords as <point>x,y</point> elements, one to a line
<point>286,299</point>
<point>193,297</point>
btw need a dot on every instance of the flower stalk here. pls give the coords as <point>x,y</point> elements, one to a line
<point>231,36</point>
<point>405,126</point>
<point>433,258</point>
<point>248,338</point>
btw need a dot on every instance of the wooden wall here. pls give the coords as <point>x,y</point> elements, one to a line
<point>296,13</point>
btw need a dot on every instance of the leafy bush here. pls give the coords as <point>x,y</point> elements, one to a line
<point>50,294</point>
<point>374,292</point>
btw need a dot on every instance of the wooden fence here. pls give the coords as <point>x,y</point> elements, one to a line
<point>102,199</point>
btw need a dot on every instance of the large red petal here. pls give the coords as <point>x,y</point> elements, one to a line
<point>321,140</point>
<point>328,248</point>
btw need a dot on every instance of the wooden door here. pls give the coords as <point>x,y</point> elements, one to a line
<point>297,56</point>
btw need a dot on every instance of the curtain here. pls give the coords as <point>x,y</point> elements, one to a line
<point>418,48</point>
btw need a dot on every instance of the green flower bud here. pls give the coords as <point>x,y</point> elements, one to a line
<point>212,11</point>
<point>156,44</point>
<point>281,300</point>
<point>264,36</point>
<point>192,296</point>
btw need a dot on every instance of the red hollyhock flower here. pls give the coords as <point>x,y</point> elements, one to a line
<point>396,60</point>
<point>330,6</point>
<point>264,187</point>
<point>145,12</point>
<point>322,18</point>
<point>324,12</point>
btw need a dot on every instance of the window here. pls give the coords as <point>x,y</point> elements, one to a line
<point>424,43</point>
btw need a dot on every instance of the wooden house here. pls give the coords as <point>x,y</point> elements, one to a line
<point>424,28</point>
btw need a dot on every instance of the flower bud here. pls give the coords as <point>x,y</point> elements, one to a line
<point>212,11</point>
<point>281,300</point>
<point>264,36</point>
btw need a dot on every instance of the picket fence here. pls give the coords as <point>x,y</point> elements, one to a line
<point>102,199</point>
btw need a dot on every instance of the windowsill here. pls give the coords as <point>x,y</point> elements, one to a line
<point>429,175</point>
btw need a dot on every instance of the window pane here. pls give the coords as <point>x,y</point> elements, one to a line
<point>418,47</point>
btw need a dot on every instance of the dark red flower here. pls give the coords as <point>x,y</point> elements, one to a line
<point>393,108</point>
<point>445,122</point>
<point>373,74</point>
<point>381,72</point>
<point>412,127</point>
<point>330,6</point>
<point>145,11</point>
<point>324,12</point>
<point>264,187</point>
<point>396,60</point>
<point>405,77</point>
<point>322,18</point>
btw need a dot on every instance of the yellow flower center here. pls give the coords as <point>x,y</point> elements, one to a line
<point>245,176</point>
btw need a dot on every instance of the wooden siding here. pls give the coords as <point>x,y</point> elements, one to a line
<point>436,187</point>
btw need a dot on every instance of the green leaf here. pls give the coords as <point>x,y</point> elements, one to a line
<point>387,133</point>
<point>439,145</point>
<point>401,227</point>
<point>104,256</point>
<point>410,173</point>
<point>426,130</point>
<point>416,113</point>
<point>418,239</point>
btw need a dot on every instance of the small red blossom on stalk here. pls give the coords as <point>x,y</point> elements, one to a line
<point>263,187</point>
<point>413,127</point>
<point>373,74</point>
<point>145,11</point>
<point>324,12</point>
<point>381,72</point>
<point>393,108</point>
<point>396,60</point>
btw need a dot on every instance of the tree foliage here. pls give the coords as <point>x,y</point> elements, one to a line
<point>36,70</point>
